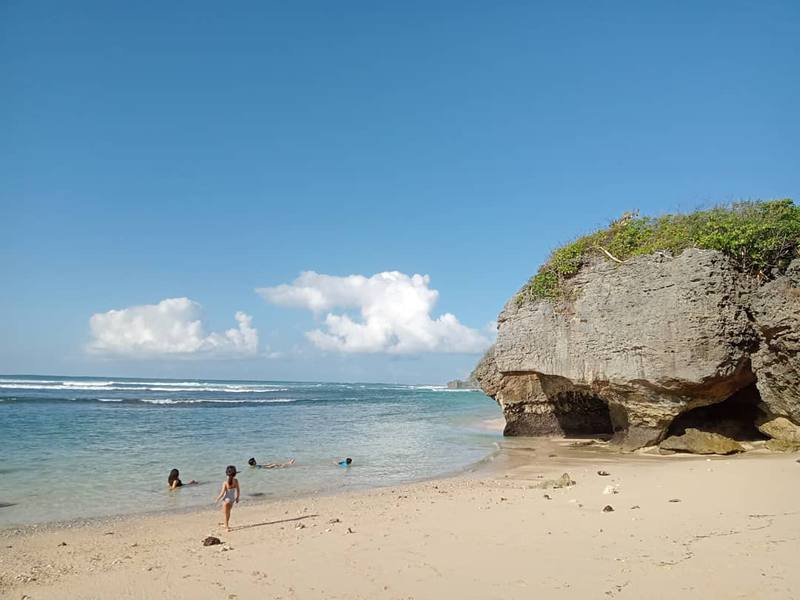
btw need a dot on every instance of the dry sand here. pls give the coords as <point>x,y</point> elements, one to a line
<point>735,533</point>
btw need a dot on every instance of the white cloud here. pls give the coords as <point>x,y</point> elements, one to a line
<point>395,314</point>
<point>173,327</point>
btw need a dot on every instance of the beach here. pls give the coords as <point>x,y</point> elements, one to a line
<point>681,526</point>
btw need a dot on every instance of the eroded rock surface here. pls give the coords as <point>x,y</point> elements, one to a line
<point>636,345</point>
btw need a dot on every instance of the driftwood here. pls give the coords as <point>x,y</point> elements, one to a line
<point>609,255</point>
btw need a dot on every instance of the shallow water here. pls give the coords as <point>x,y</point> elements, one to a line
<point>88,447</point>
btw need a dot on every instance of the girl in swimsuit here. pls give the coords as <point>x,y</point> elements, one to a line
<point>174,480</point>
<point>229,494</point>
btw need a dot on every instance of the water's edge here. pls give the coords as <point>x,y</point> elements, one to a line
<point>479,468</point>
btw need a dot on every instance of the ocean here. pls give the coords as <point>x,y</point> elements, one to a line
<point>84,447</point>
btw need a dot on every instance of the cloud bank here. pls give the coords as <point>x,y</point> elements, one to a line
<point>173,328</point>
<point>394,308</point>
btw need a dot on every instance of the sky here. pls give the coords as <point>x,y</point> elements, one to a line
<point>350,191</point>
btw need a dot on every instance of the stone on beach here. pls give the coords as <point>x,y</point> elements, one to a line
<point>701,442</point>
<point>553,484</point>
<point>783,446</point>
<point>779,428</point>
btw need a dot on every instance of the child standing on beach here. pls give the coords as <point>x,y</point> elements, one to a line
<point>229,494</point>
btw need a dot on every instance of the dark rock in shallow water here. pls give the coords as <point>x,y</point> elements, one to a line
<point>633,347</point>
<point>7,504</point>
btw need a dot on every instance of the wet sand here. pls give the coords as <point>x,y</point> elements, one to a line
<point>681,526</point>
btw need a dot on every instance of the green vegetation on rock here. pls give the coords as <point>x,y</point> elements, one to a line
<point>761,237</point>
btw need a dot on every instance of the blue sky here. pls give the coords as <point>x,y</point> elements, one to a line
<point>196,150</point>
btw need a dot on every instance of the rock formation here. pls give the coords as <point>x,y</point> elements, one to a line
<point>634,350</point>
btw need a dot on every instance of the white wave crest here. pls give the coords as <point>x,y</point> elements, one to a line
<point>215,401</point>
<point>122,387</point>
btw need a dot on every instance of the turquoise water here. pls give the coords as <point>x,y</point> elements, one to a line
<point>89,447</point>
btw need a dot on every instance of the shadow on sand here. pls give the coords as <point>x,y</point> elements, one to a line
<point>273,522</point>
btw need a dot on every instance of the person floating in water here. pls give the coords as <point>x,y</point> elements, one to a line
<point>252,462</point>
<point>346,462</point>
<point>229,494</point>
<point>174,480</point>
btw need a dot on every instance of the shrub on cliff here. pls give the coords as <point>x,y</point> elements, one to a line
<point>761,237</point>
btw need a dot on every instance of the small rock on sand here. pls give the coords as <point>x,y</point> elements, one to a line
<point>564,481</point>
<point>211,541</point>
<point>603,473</point>
<point>675,499</point>
<point>608,508</point>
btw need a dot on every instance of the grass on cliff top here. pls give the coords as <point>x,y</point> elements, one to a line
<point>761,237</point>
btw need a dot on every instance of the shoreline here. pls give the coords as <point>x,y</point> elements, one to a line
<point>512,451</point>
<point>395,434</point>
<point>496,531</point>
<point>23,529</point>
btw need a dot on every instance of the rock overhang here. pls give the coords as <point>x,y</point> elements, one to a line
<point>652,338</point>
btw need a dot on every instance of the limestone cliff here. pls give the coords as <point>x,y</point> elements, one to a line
<point>633,349</point>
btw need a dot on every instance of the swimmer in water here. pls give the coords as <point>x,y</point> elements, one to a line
<point>174,480</point>
<point>252,462</point>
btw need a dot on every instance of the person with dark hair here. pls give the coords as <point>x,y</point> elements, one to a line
<point>252,462</point>
<point>346,462</point>
<point>229,494</point>
<point>174,480</point>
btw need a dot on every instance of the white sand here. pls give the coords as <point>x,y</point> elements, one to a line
<point>734,534</point>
